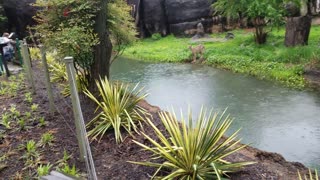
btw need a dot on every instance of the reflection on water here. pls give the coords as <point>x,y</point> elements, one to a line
<point>272,117</point>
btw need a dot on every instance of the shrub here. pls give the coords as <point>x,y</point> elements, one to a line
<point>194,151</point>
<point>58,71</point>
<point>35,53</point>
<point>118,107</point>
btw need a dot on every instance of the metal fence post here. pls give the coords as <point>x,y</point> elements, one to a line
<point>46,73</point>
<point>27,64</point>
<point>75,101</point>
<point>1,66</point>
<point>18,57</point>
<point>85,152</point>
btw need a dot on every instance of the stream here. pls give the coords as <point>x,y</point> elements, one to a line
<point>271,117</point>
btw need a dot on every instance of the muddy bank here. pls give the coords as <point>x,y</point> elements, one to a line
<point>312,76</point>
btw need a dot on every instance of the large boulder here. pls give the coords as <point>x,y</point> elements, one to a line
<point>19,14</point>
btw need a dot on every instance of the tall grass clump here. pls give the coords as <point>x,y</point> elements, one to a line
<point>118,108</point>
<point>194,150</point>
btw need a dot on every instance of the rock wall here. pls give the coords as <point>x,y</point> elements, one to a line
<point>178,17</point>
<point>19,14</point>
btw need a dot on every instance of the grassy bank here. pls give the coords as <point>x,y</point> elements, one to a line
<point>272,61</point>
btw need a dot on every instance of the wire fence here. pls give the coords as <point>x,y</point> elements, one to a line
<point>80,133</point>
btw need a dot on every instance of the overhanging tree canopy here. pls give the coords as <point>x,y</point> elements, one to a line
<point>260,12</point>
<point>86,30</point>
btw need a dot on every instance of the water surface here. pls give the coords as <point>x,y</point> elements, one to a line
<point>272,117</point>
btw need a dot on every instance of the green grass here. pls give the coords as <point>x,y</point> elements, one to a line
<point>272,61</point>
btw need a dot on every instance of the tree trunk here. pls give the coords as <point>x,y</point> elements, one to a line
<point>297,31</point>
<point>260,35</point>
<point>102,52</point>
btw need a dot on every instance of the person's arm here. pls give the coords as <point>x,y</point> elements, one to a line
<point>12,41</point>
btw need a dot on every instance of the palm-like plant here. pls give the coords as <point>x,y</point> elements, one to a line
<point>315,177</point>
<point>119,109</point>
<point>194,151</point>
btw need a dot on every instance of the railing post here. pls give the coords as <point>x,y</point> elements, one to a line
<point>18,52</point>
<point>5,63</point>
<point>27,65</point>
<point>75,101</point>
<point>1,66</point>
<point>46,73</point>
<point>85,152</point>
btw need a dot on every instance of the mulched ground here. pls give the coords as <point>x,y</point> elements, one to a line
<point>110,158</point>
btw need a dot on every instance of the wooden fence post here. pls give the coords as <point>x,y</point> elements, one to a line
<point>27,65</point>
<point>48,83</point>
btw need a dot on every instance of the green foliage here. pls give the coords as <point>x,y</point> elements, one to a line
<point>194,151</point>
<point>260,12</point>
<point>67,27</point>
<point>273,11</point>
<point>291,76</point>
<point>64,159</point>
<point>3,18</point>
<point>230,8</point>
<point>311,177</point>
<point>31,155</point>
<point>28,97</point>
<point>46,139</point>
<point>15,113</point>
<point>35,53</point>
<point>42,122</point>
<point>119,109</point>
<point>168,49</point>
<point>58,72</point>
<point>11,87</point>
<point>43,170</point>
<point>271,61</point>
<point>156,36</point>
<point>22,124</point>
<point>5,120</point>
<point>31,147</point>
<point>34,107</point>
<point>27,115</point>
<point>69,170</point>
<point>120,24</point>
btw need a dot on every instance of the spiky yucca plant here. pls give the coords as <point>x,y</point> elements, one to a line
<point>311,177</point>
<point>194,151</point>
<point>118,105</point>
